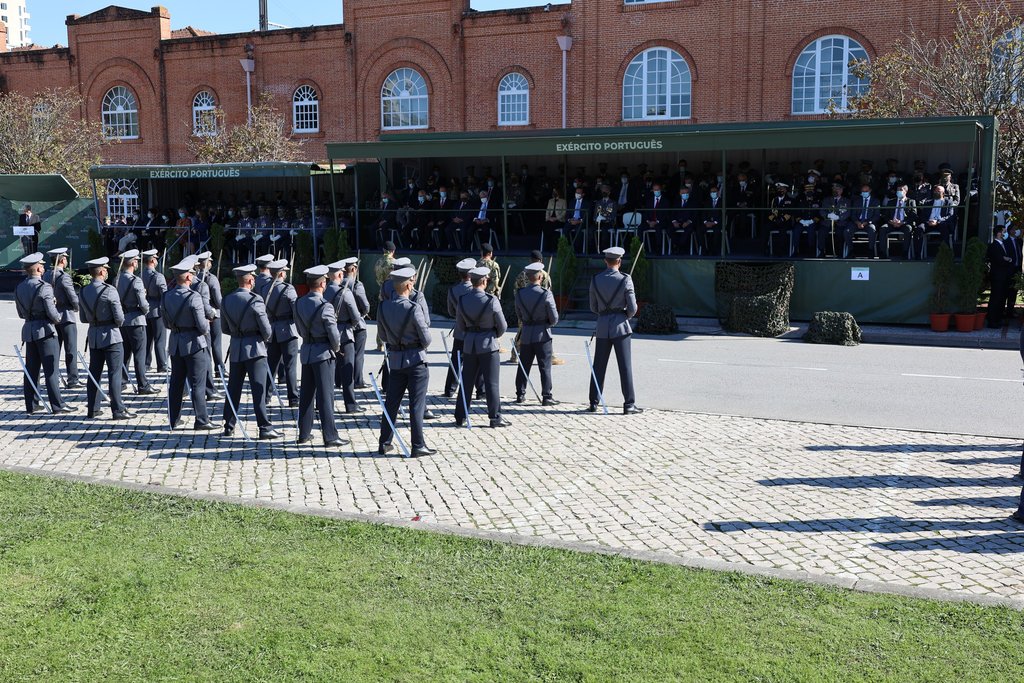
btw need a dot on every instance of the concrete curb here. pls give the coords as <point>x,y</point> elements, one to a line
<point>691,562</point>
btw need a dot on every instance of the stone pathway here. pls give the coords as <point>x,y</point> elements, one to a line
<point>870,508</point>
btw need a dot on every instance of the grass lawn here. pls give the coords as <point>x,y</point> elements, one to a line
<point>103,584</point>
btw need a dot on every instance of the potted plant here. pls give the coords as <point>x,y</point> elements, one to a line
<point>303,259</point>
<point>942,281</point>
<point>563,275</point>
<point>217,238</point>
<point>970,276</point>
<point>640,268</point>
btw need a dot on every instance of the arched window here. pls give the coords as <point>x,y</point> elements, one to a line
<point>305,110</point>
<point>656,86</point>
<point>513,100</point>
<point>120,114</point>
<point>823,79</point>
<point>122,198</point>
<point>204,114</point>
<point>404,102</point>
<point>1008,67</point>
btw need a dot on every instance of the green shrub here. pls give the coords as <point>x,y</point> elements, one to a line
<point>444,271</point>
<point>96,246</point>
<point>303,252</point>
<point>657,319</point>
<point>563,275</point>
<point>641,269</point>
<point>970,275</point>
<point>942,280</point>
<point>228,284</point>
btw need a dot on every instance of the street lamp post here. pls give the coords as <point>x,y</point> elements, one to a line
<point>564,42</point>
<point>249,66</point>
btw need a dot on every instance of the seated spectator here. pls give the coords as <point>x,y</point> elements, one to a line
<point>934,215</point>
<point>781,216</point>
<point>554,218</point>
<point>657,213</point>
<point>685,220</point>
<point>461,220</point>
<point>863,218</point>
<point>808,222</point>
<point>900,215</point>
<point>711,220</point>
<point>576,213</point>
<point>835,218</point>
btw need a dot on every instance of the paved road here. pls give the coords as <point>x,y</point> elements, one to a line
<point>970,391</point>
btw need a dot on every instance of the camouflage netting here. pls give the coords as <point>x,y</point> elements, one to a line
<point>754,297</point>
<point>657,319</point>
<point>831,327</point>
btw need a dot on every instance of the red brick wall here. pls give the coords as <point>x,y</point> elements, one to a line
<point>740,55</point>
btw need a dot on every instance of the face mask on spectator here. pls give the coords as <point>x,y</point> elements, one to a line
<point>624,178</point>
<point>714,195</point>
<point>865,195</point>
<point>892,179</point>
<point>444,195</point>
<point>231,213</point>
<point>657,193</point>
<point>900,194</point>
<point>1015,232</point>
<point>181,214</point>
<point>811,178</point>
<point>684,195</point>
<point>579,195</point>
<point>149,215</point>
<point>490,183</point>
<point>422,199</point>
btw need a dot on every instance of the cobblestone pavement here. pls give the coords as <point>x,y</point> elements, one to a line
<point>843,504</point>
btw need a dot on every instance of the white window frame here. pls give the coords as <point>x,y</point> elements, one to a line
<point>398,107</point>
<point>122,197</point>
<point>204,117</point>
<point>120,114</point>
<point>305,110</point>
<point>832,90</point>
<point>514,100</point>
<point>655,92</point>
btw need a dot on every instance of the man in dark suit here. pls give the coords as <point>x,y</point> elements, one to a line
<point>1013,244</point>
<point>483,217</point>
<point>864,216</point>
<point>685,220</point>
<point>709,235</point>
<point>899,215</point>
<point>1001,264</point>
<point>29,243</point>
<point>742,200</point>
<point>626,193</point>
<point>657,212</point>
<point>577,211</point>
<point>934,215</point>
<point>387,219</point>
<point>461,219</point>
<point>439,214</point>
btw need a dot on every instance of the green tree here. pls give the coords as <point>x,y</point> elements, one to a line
<point>263,137</point>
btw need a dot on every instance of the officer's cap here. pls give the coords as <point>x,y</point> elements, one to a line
<point>479,273</point>
<point>781,185</point>
<point>185,266</point>
<point>486,248</point>
<point>350,261</point>
<point>534,268</point>
<point>402,274</point>
<point>96,262</point>
<point>466,265</point>
<point>536,255</point>
<point>814,171</point>
<point>316,271</point>
<point>244,270</point>
<point>32,259</point>
<point>59,251</point>
<point>389,246</point>
<point>150,252</point>
<point>401,263</point>
<point>130,255</point>
<point>279,265</point>
<point>205,256</point>
<point>264,260</point>
<point>614,252</point>
<point>336,266</point>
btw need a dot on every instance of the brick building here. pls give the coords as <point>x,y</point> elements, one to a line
<point>631,61</point>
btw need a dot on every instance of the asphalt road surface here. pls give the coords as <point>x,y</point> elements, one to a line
<point>971,391</point>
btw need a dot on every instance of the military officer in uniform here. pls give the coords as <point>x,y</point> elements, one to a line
<point>381,270</point>
<point>67,305</point>
<point>36,305</point>
<point>216,298</point>
<point>133,331</point>
<point>199,286</point>
<point>535,307</point>
<point>351,281</point>
<point>479,318</point>
<point>454,294</point>
<point>263,278</point>
<point>245,317</point>
<point>156,332</point>
<point>101,308</point>
<point>522,280</point>
<point>613,299</point>
<point>347,314</point>
<point>284,346</point>
<point>487,261</point>
<point>321,341</point>
<point>187,319</point>
<point>407,333</point>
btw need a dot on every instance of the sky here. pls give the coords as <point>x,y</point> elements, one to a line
<point>220,16</point>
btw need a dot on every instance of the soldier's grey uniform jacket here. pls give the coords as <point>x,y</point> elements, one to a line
<point>281,299</point>
<point>184,315</point>
<point>318,328</point>
<point>245,317</point>
<point>387,293</point>
<point>480,320</point>
<point>362,302</point>
<point>201,288</point>
<point>613,299</point>
<point>216,298</point>
<point>406,331</point>
<point>262,286</point>
<point>454,294</point>
<point>133,300</point>
<point>345,310</point>
<point>35,303</point>
<point>536,309</point>
<point>64,294</point>
<point>101,308</point>
<point>156,286</point>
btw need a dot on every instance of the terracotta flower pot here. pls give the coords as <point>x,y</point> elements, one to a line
<point>940,322</point>
<point>563,302</point>
<point>979,320</point>
<point>964,322</point>
<point>302,290</point>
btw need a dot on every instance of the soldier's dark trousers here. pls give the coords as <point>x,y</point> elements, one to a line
<point>344,372</point>
<point>287,354</point>
<point>113,357</point>
<point>135,352</point>
<point>209,383</point>
<point>414,381</point>
<point>451,382</point>
<point>527,353</point>
<point>624,359</point>
<point>217,339</point>
<point>259,379</point>
<point>42,353</point>
<point>156,344</point>
<point>194,368</point>
<point>474,366</point>
<point>318,383</point>
<point>67,337</point>
<point>357,366</point>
